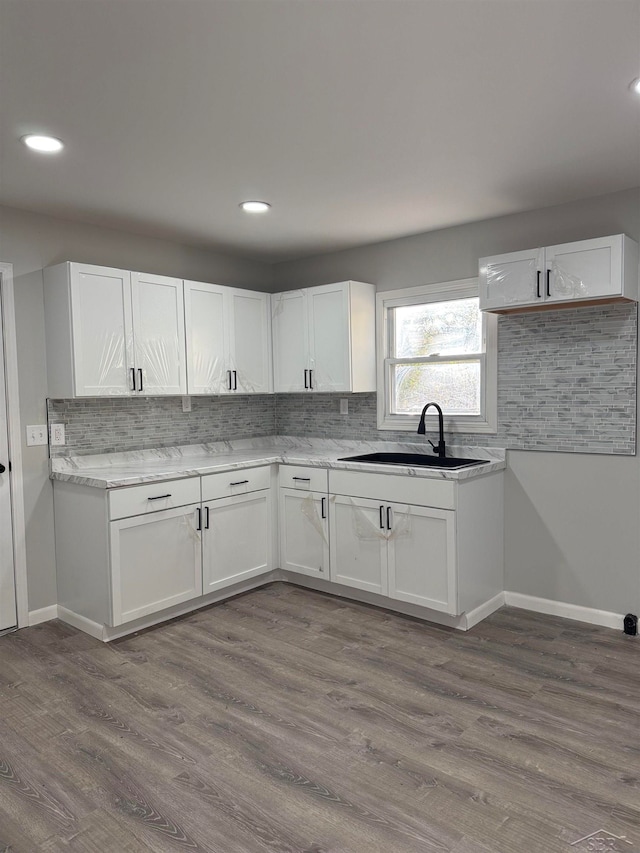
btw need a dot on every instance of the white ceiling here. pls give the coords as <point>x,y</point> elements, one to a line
<point>359,120</point>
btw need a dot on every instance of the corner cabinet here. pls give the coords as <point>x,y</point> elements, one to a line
<point>304,520</point>
<point>111,332</point>
<point>566,275</point>
<point>324,338</point>
<point>228,336</point>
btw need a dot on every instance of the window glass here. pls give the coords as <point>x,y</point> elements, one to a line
<point>454,385</point>
<point>453,327</point>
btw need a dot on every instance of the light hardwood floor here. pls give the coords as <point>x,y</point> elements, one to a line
<point>285,720</point>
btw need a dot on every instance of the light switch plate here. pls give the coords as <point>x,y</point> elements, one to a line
<point>57,436</point>
<point>186,404</point>
<point>36,435</point>
<point>344,406</point>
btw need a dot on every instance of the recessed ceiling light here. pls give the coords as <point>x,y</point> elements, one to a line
<point>255,206</point>
<point>635,86</point>
<point>46,144</point>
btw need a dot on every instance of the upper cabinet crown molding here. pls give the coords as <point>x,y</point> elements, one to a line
<point>324,338</point>
<point>604,269</point>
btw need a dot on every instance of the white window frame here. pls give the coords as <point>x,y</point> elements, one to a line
<point>487,420</point>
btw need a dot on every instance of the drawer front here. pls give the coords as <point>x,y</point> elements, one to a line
<point>420,491</point>
<point>306,478</point>
<point>151,497</point>
<point>235,482</point>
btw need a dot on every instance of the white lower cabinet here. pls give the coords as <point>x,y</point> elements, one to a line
<point>358,544</point>
<point>421,556</point>
<point>156,562</point>
<point>304,532</point>
<point>236,539</point>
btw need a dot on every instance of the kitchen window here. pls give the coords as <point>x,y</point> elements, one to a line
<point>435,345</point>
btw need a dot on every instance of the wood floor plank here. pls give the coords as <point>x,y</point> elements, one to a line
<point>291,721</point>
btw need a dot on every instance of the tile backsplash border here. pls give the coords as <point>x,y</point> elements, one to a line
<point>566,382</point>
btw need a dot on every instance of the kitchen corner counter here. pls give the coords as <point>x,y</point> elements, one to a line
<point>114,470</point>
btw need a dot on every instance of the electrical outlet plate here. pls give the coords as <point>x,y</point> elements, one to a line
<point>56,435</point>
<point>186,404</point>
<point>344,406</point>
<point>36,435</point>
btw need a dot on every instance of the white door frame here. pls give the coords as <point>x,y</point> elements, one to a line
<point>15,447</point>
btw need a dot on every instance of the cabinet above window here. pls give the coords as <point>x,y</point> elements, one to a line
<point>563,276</point>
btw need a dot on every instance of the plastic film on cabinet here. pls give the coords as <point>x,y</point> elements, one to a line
<point>365,528</point>
<point>309,509</point>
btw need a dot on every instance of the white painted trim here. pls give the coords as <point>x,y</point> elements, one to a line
<point>44,614</point>
<point>15,445</point>
<point>463,288</point>
<point>95,629</point>
<point>485,609</point>
<point>605,618</point>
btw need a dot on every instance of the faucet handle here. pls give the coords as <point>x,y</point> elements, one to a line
<point>432,444</point>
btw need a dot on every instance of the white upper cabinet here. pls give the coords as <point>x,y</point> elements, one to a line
<point>158,334</point>
<point>600,270</point>
<point>324,338</point>
<point>228,340</point>
<point>113,333</point>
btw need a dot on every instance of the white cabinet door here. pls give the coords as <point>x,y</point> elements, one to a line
<point>102,331</point>
<point>158,327</point>
<point>329,337</point>
<point>422,565</point>
<point>304,532</point>
<point>584,270</point>
<point>237,539</point>
<point>207,337</point>
<point>156,562</point>
<point>290,341</point>
<point>510,280</point>
<point>358,545</point>
<point>250,341</point>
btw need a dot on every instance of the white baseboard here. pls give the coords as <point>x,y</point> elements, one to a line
<point>605,618</point>
<point>44,614</point>
<point>485,609</point>
<point>94,629</point>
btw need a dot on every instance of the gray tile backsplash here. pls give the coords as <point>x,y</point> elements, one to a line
<point>566,382</point>
<point>98,425</point>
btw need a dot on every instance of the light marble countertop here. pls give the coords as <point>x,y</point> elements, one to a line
<point>113,470</point>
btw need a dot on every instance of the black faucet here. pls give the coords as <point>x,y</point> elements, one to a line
<point>440,446</point>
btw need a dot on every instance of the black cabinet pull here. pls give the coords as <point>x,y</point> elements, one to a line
<point>304,479</point>
<point>323,511</point>
<point>133,379</point>
<point>229,385</point>
<point>141,388</point>
<point>239,483</point>
<point>235,380</point>
<point>381,518</point>
<point>2,468</point>
<point>548,284</point>
<point>306,382</point>
<point>159,497</point>
<point>199,525</point>
<point>389,518</point>
<point>311,380</point>
<point>206,518</point>
<point>538,274</point>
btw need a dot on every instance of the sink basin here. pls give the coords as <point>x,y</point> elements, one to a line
<point>414,460</point>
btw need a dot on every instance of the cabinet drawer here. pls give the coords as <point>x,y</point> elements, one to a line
<point>301,477</point>
<point>420,491</point>
<point>235,482</point>
<point>151,497</point>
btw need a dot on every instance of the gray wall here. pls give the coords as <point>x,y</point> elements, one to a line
<point>31,242</point>
<point>571,520</point>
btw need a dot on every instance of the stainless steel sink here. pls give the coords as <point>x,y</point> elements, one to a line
<point>415,460</point>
